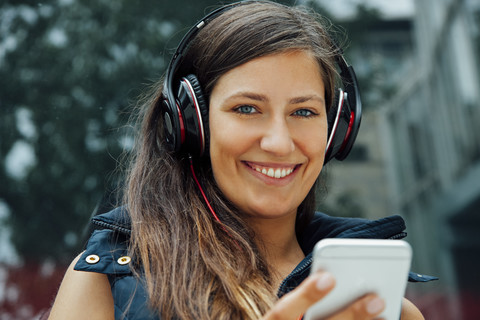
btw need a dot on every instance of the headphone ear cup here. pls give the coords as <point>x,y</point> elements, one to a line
<point>173,128</point>
<point>195,114</point>
<point>332,121</point>
<point>342,129</point>
<point>332,113</point>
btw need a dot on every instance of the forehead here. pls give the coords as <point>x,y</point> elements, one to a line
<point>291,70</point>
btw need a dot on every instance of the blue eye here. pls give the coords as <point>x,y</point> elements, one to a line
<point>303,113</point>
<point>245,109</point>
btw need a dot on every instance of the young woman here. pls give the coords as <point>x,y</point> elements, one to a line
<point>219,220</point>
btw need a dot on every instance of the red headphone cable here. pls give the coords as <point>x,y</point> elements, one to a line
<point>203,193</point>
<point>208,202</point>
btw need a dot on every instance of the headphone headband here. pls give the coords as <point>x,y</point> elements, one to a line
<point>185,42</point>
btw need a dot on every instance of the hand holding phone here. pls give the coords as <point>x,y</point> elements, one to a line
<point>362,266</point>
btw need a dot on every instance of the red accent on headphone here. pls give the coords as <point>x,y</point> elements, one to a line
<point>182,127</point>
<point>349,130</point>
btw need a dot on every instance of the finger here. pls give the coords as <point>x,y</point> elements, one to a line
<point>367,307</point>
<point>294,304</point>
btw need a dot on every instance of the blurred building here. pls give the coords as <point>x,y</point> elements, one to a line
<point>418,152</point>
<point>431,135</point>
<point>358,186</point>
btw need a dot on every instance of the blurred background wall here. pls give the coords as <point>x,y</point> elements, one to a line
<point>421,141</point>
<point>71,71</point>
<point>431,129</point>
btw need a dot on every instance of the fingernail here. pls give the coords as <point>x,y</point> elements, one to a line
<point>325,281</point>
<point>375,305</point>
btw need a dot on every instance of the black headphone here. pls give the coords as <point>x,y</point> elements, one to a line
<point>185,112</point>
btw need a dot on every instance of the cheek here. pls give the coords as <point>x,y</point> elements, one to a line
<point>220,133</point>
<point>225,155</point>
<point>312,140</point>
<point>228,136</point>
<point>226,145</point>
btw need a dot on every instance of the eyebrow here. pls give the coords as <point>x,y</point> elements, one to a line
<point>249,95</point>
<point>302,99</point>
<point>263,98</point>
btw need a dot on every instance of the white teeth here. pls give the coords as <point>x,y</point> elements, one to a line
<point>274,173</point>
<point>278,173</point>
<point>271,173</point>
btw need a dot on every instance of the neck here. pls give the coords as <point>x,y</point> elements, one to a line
<point>277,241</point>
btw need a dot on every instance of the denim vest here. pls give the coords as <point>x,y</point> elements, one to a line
<point>107,252</point>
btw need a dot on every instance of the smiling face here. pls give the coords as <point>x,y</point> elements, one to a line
<point>268,133</point>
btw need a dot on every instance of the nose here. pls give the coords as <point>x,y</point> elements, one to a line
<point>277,138</point>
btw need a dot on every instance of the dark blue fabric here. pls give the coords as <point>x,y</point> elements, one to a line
<point>324,226</point>
<point>110,243</point>
<point>109,246</point>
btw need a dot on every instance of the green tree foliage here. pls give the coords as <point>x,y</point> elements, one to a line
<point>70,71</point>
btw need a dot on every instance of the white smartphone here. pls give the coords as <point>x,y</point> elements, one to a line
<point>362,266</point>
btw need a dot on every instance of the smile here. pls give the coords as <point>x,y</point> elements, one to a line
<point>276,173</point>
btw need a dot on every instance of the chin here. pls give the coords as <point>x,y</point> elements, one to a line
<point>273,212</point>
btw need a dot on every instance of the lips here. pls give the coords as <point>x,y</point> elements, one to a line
<point>277,172</point>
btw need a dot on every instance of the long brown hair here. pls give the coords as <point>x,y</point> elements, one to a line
<point>193,266</point>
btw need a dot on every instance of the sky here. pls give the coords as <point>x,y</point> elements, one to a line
<point>389,8</point>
